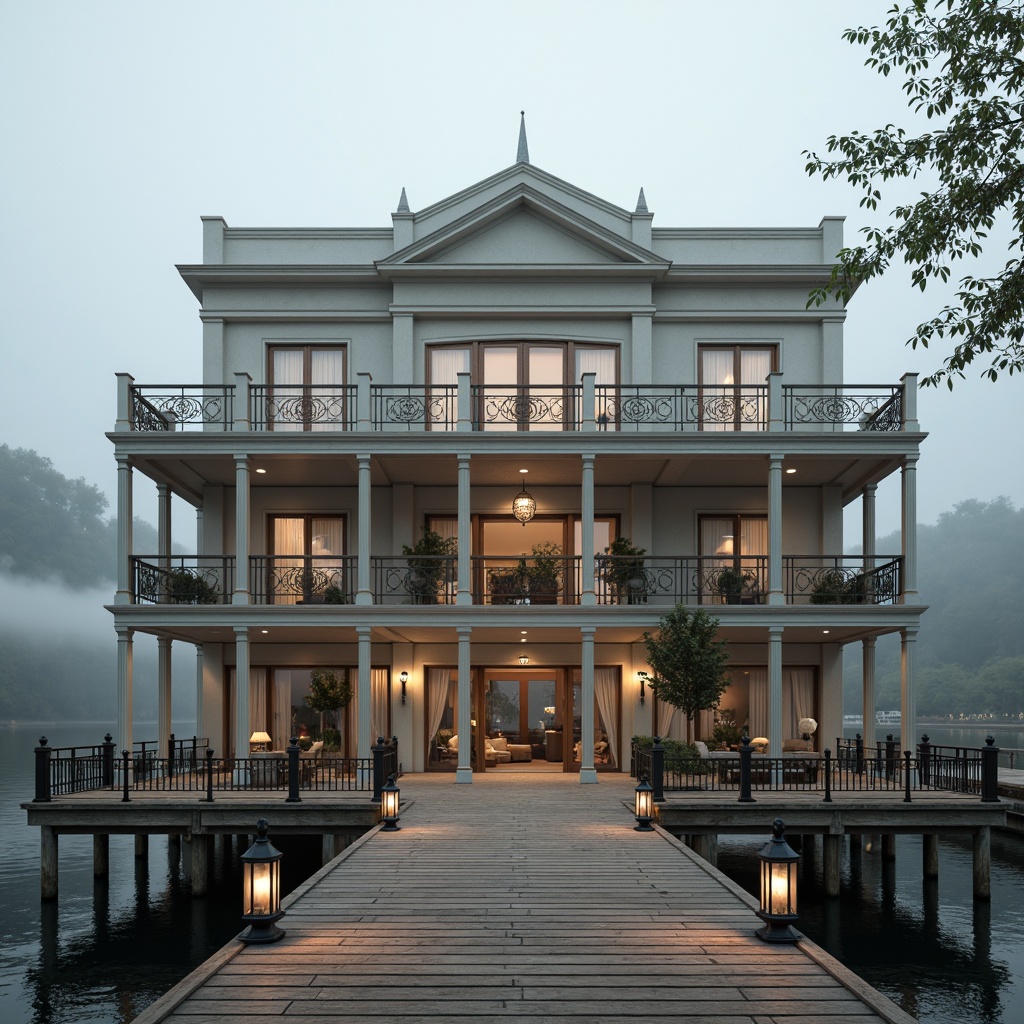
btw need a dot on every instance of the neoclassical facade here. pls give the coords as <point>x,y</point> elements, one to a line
<point>468,458</point>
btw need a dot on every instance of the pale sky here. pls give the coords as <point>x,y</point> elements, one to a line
<point>123,122</point>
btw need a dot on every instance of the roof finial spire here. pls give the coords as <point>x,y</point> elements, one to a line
<point>523,154</point>
<point>641,202</point>
<point>403,203</point>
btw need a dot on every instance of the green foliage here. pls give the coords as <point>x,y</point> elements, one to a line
<point>681,757</point>
<point>328,691</point>
<point>689,663</point>
<point>624,569</point>
<point>335,595</point>
<point>184,587</point>
<point>837,587</point>
<point>961,66</point>
<point>726,732</point>
<point>427,560</point>
<point>544,572</point>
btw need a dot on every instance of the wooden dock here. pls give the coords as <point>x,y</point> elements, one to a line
<point>531,898</point>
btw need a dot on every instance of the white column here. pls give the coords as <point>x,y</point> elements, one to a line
<point>775,594</point>
<point>868,532</point>
<point>364,412</point>
<point>587,531</point>
<point>908,695</point>
<point>588,407</point>
<point>163,523</point>
<point>364,741</point>
<point>775,691</point>
<point>868,684</point>
<point>363,594</point>
<point>200,689</point>
<point>909,478</point>
<point>124,688</point>
<point>124,401</point>
<point>588,773</point>
<point>241,592</point>
<point>776,412</point>
<point>240,726</point>
<point>464,772</point>
<point>465,595</point>
<point>163,693</point>
<point>124,531</point>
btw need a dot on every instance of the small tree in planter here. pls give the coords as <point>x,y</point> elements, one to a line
<point>329,692</point>
<point>689,663</point>
<point>622,565</point>
<point>182,586</point>
<point>544,574</point>
<point>428,565</point>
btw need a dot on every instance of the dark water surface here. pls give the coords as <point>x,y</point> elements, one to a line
<point>105,950</point>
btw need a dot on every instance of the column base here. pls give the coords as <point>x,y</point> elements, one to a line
<point>588,776</point>
<point>463,775</point>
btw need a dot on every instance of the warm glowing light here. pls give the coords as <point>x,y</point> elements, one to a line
<point>780,892</point>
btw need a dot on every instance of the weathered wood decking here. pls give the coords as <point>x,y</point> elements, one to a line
<point>530,898</point>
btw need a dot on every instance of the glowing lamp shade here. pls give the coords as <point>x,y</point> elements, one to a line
<point>261,889</point>
<point>524,659</point>
<point>259,741</point>
<point>389,796</point>
<point>778,888</point>
<point>644,806</point>
<point>523,506</point>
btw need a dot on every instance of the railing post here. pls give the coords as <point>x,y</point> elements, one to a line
<point>42,772</point>
<point>464,402</point>
<point>378,751</point>
<point>293,772</point>
<point>242,404</point>
<point>209,775</point>
<point>588,411</point>
<point>989,771</point>
<point>776,411</point>
<point>860,754</point>
<point>924,753</point>
<point>909,401</point>
<point>108,761</point>
<point>906,776</point>
<point>170,755</point>
<point>890,756</point>
<point>125,768</point>
<point>746,756</point>
<point>828,776</point>
<point>363,412</point>
<point>658,770</point>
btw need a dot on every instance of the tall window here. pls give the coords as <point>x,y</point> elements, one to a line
<point>307,563</point>
<point>524,384</point>
<point>306,388</point>
<point>734,559</point>
<point>733,386</point>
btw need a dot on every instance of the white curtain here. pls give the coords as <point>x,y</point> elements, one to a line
<point>758,717</point>
<point>445,366</point>
<point>257,700</point>
<point>606,695</point>
<point>379,703</point>
<point>666,714</point>
<point>439,681</point>
<point>282,724</point>
<point>797,699</point>
<point>288,364</point>
<point>327,370</point>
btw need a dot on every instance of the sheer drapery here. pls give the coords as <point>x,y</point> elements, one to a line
<point>606,696</point>
<point>379,678</point>
<point>664,719</point>
<point>797,699</point>
<point>445,366</point>
<point>327,375</point>
<point>282,724</point>
<point>601,363</point>
<point>758,696</point>
<point>287,369</point>
<point>257,705</point>
<point>439,682</point>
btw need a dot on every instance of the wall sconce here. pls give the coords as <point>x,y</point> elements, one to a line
<point>778,888</point>
<point>642,676</point>
<point>523,506</point>
<point>524,659</point>
<point>259,741</point>
<point>389,805</point>
<point>261,889</point>
<point>644,806</point>
<point>403,678</point>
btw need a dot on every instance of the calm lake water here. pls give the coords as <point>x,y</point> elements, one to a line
<point>105,950</point>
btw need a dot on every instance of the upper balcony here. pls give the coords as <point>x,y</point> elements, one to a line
<point>583,407</point>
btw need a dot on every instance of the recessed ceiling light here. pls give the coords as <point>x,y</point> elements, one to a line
<point>523,641</point>
<point>523,631</point>
<point>790,470</point>
<point>524,471</point>
<point>264,630</point>
<point>261,471</point>
<point>826,631</point>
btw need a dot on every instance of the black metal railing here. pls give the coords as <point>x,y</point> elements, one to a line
<point>298,408</point>
<point>537,407</point>
<point>62,771</point>
<point>844,406</point>
<point>302,579</point>
<point>414,407</point>
<point>182,579</point>
<point>181,406</point>
<point>415,579</point>
<point>842,579</point>
<point>646,407</point>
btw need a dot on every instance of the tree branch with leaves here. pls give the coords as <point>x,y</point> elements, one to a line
<point>962,69</point>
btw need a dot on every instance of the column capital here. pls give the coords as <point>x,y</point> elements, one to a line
<point>363,631</point>
<point>462,631</point>
<point>909,633</point>
<point>124,632</point>
<point>587,632</point>
<point>241,632</point>
<point>775,631</point>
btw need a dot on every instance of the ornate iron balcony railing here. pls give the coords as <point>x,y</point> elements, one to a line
<point>302,579</point>
<point>844,407</point>
<point>645,407</point>
<point>842,579</point>
<point>414,579</point>
<point>414,407</point>
<point>537,407</point>
<point>181,406</point>
<point>314,407</point>
<point>182,579</point>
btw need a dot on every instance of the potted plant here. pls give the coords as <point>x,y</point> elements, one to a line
<point>509,586</point>
<point>183,586</point>
<point>544,573</point>
<point>622,566</point>
<point>835,586</point>
<point>726,733</point>
<point>428,562</point>
<point>329,692</point>
<point>729,583</point>
<point>335,595</point>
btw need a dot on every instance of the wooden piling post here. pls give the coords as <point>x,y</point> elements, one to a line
<point>100,856</point>
<point>888,846</point>
<point>831,846</point>
<point>199,872</point>
<point>142,846</point>
<point>930,853</point>
<point>47,863</point>
<point>983,863</point>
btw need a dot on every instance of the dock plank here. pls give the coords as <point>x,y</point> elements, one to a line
<point>531,899</point>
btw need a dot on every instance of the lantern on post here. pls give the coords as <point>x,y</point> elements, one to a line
<point>261,889</point>
<point>389,805</point>
<point>644,806</point>
<point>778,888</point>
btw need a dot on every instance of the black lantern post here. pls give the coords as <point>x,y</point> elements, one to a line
<point>261,889</point>
<point>389,805</point>
<point>778,888</point>
<point>644,806</point>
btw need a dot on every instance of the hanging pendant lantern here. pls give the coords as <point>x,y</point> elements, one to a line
<point>523,505</point>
